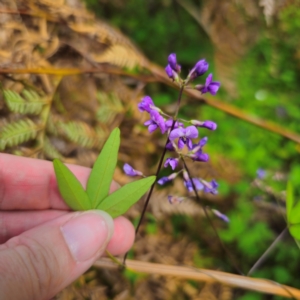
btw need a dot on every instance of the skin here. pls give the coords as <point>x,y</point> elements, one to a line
<point>43,245</point>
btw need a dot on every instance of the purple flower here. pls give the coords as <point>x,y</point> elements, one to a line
<point>146,104</point>
<point>199,69</point>
<point>166,179</point>
<point>172,162</point>
<point>210,86</point>
<point>185,135</point>
<point>156,121</point>
<point>197,153</point>
<point>200,156</point>
<point>169,123</point>
<point>210,187</point>
<point>163,180</point>
<point>175,199</point>
<point>210,125</point>
<point>198,185</point>
<point>170,147</point>
<point>170,72</point>
<point>220,215</point>
<point>202,142</point>
<point>207,124</point>
<point>130,171</point>
<point>261,173</point>
<point>173,62</point>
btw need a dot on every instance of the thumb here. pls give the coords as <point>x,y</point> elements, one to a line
<point>42,261</point>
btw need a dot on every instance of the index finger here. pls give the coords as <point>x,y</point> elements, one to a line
<point>27,183</point>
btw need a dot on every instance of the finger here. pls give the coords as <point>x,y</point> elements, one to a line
<point>27,183</point>
<point>123,237</point>
<point>15,223</point>
<point>49,257</point>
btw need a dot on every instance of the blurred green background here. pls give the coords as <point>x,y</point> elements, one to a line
<point>254,51</point>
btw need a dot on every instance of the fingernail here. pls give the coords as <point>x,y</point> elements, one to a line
<point>88,233</point>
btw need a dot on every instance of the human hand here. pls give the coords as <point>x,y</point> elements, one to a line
<point>43,246</point>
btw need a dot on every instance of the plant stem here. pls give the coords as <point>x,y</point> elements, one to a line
<point>159,166</point>
<point>264,256</point>
<point>210,220</point>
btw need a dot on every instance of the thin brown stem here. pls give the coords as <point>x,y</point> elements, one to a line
<point>158,169</point>
<point>210,221</point>
<point>267,252</point>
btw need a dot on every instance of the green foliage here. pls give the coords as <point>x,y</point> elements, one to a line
<point>96,196</point>
<point>31,103</point>
<point>70,188</point>
<point>293,213</point>
<point>18,132</point>
<point>80,133</point>
<point>110,106</point>
<point>247,232</point>
<point>251,296</point>
<point>151,225</point>
<point>102,173</point>
<point>184,36</point>
<point>50,150</point>
<point>118,202</point>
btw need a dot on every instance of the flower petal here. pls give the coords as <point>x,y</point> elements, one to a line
<point>214,87</point>
<point>152,127</point>
<point>191,132</point>
<point>130,171</point>
<point>176,133</point>
<point>145,104</point>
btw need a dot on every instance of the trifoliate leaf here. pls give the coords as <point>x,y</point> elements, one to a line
<point>70,188</point>
<point>121,200</point>
<point>102,173</point>
<point>295,231</point>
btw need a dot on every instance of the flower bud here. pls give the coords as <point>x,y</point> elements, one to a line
<point>199,69</point>
<point>173,62</point>
<point>130,171</point>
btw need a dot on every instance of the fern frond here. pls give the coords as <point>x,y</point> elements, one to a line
<point>32,104</point>
<point>50,151</point>
<point>120,55</point>
<point>110,106</point>
<point>120,50</point>
<point>18,132</point>
<point>52,124</point>
<point>79,133</point>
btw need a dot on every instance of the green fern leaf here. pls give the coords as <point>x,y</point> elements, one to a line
<point>52,124</point>
<point>18,132</point>
<point>32,103</point>
<point>79,133</point>
<point>110,106</point>
<point>50,151</point>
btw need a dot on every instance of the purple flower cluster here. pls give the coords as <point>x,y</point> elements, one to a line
<point>173,69</point>
<point>200,68</point>
<point>181,133</point>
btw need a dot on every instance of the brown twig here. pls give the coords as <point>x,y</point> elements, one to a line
<point>204,275</point>
<point>159,76</point>
<point>227,108</point>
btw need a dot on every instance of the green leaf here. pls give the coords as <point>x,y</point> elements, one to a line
<point>294,216</point>
<point>121,200</point>
<point>16,133</point>
<point>102,173</point>
<point>295,231</point>
<point>16,103</point>
<point>70,188</point>
<point>293,213</point>
<point>289,199</point>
